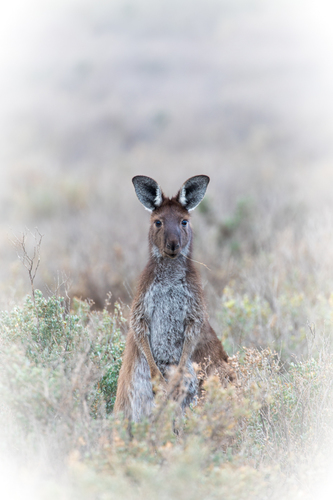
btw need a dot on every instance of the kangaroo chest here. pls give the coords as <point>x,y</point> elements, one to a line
<point>167,307</point>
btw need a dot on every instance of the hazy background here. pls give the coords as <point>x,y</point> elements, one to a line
<point>92,93</point>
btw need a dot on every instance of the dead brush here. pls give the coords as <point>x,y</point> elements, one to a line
<point>294,406</point>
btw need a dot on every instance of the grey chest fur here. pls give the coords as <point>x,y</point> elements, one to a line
<point>167,306</point>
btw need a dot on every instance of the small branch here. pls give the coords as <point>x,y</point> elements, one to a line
<point>30,263</point>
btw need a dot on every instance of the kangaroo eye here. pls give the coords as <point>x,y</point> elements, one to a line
<point>184,223</point>
<point>158,223</point>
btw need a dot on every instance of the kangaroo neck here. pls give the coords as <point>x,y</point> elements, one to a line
<point>167,268</point>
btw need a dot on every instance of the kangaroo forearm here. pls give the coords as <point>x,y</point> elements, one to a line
<point>145,348</point>
<point>140,328</point>
<point>190,341</point>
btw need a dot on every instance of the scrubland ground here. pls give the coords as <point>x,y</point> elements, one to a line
<point>92,94</point>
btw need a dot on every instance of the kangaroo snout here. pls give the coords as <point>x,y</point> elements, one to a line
<point>172,245</point>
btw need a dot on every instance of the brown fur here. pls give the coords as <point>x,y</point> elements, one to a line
<point>168,247</point>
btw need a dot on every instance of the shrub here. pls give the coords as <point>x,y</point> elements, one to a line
<point>55,345</point>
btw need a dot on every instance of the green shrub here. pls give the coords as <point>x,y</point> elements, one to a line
<point>55,343</point>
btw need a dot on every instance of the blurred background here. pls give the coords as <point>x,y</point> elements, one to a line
<point>93,93</point>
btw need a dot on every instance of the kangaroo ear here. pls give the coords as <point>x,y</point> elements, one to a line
<point>148,192</point>
<point>192,191</point>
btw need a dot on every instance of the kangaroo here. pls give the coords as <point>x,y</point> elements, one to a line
<point>169,324</point>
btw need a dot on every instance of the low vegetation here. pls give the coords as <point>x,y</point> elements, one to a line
<point>257,438</point>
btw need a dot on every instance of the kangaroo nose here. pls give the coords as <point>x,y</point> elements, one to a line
<point>172,245</point>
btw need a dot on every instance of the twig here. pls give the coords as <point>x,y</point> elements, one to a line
<point>30,263</point>
<point>197,262</point>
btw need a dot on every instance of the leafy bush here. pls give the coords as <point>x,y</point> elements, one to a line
<point>58,344</point>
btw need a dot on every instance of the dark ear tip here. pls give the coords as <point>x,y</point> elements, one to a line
<point>142,178</point>
<point>202,177</point>
<point>136,178</point>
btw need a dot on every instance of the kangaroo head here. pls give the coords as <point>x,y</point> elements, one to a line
<point>170,233</point>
